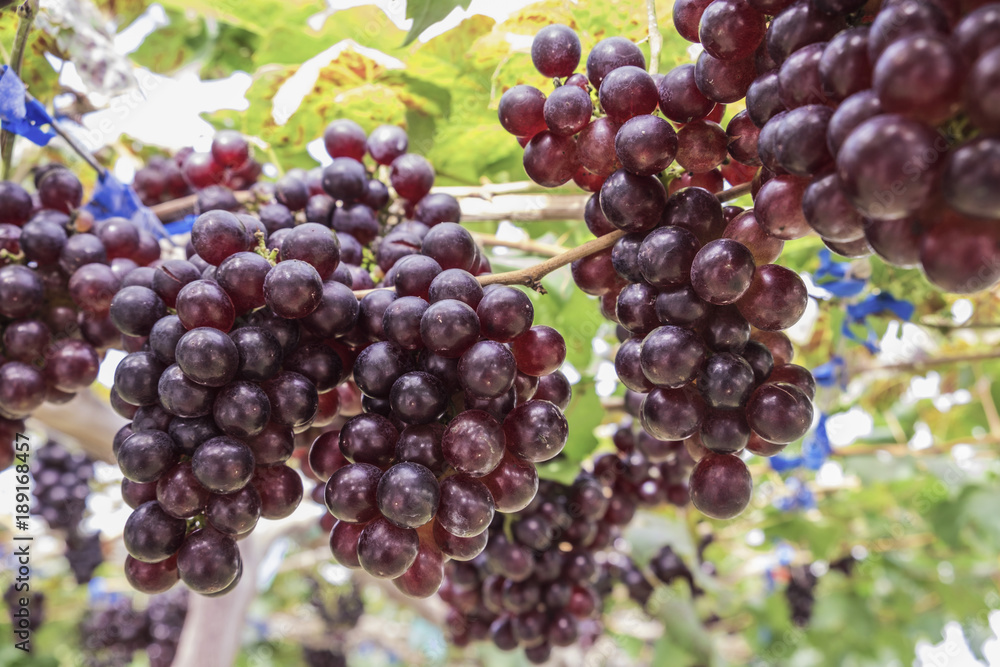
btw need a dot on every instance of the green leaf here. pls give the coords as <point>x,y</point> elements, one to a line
<point>584,413</point>
<point>426,13</point>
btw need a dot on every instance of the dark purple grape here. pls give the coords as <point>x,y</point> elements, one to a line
<point>345,138</point>
<point>876,156</point>
<point>567,110</point>
<point>473,443</point>
<point>726,380</point>
<point>369,438</point>
<point>241,410</point>
<point>134,310</point>
<point>180,494</point>
<point>646,145</point>
<point>633,203</point>
<point>146,455</point>
<point>724,81</point>
<point>626,92</point>
<point>408,495</point>
<point>411,176</point>
<point>136,378</point>
<point>681,306</point>
<point>779,412</point>
<point>721,486</point>
<point>418,398</point>
<point>223,464</point>
<point>550,159</point>
<point>775,300</point>
<point>345,179</point>
<point>344,543</point>
<point>671,356</point>
<point>555,51</point>
<point>448,328</point>
<point>151,535</point>
<point>504,313</point>
<point>672,414</point>
<point>209,561</point>
<point>465,508</point>
<point>293,399</point>
<point>697,210</point>
<point>680,99</point>
<point>595,147</point>
<point>731,29</point>
<point>351,493</point>
<point>610,54</point>
<point>535,431</point>
<point>385,550</point>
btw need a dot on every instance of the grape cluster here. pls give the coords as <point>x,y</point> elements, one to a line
<point>643,471</point>
<point>228,165</point>
<point>340,613</point>
<point>461,397</point>
<point>254,338</point>
<point>543,578</point>
<point>112,633</point>
<point>801,594</point>
<point>62,484</point>
<point>59,270</point>
<point>689,280</point>
<point>36,606</point>
<point>876,125</point>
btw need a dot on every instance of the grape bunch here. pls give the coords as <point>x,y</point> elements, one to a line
<point>875,124</point>
<point>643,471</point>
<point>801,594</point>
<point>59,270</point>
<point>250,343</point>
<point>688,280</point>
<point>340,613</point>
<point>461,397</point>
<point>114,632</point>
<point>62,484</point>
<point>228,165</point>
<point>36,606</point>
<point>543,578</point>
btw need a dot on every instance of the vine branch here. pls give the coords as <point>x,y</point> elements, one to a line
<point>655,38</point>
<point>527,245</point>
<point>922,364</point>
<point>26,17</point>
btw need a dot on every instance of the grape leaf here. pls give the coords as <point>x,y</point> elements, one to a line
<point>426,13</point>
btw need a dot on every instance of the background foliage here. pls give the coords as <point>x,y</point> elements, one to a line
<point>915,500</point>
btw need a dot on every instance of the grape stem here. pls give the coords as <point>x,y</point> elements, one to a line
<point>655,38</point>
<point>26,17</point>
<point>527,245</point>
<point>920,364</point>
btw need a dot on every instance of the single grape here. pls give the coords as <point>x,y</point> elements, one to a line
<point>721,486</point>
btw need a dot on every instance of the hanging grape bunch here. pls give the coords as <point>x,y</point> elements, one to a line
<point>62,485</point>
<point>249,339</point>
<point>689,281</point>
<point>542,582</point>
<point>59,270</point>
<point>229,165</point>
<point>875,124</point>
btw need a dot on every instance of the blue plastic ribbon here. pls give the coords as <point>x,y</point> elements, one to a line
<point>800,498</point>
<point>20,116</point>
<point>182,226</point>
<point>114,199</point>
<point>839,284</point>
<point>857,313</point>
<point>832,373</point>
<point>816,447</point>
<point>816,450</point>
